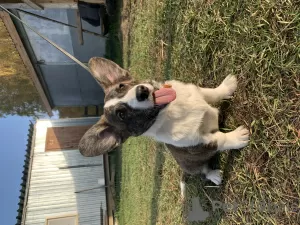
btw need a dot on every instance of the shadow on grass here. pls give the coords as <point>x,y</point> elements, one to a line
<point>114,52</point>
<point>113,48</point>
<point>205,191</point>
<point>225,108</point>
<point>127,29</point>
<point>217,194</point>
<point>116,165</point>
<point>159,162</point>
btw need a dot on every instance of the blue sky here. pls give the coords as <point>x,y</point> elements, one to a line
<point>13,140</point>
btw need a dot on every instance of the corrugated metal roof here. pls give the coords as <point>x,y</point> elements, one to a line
<point>22,197</point>
<point>65,83</point>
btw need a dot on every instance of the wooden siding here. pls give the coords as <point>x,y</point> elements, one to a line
<point>59,183</point>
<point>64,137</point>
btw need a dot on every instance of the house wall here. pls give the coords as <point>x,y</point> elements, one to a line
<point>52,188</point>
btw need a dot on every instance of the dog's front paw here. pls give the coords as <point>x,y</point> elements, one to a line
<point>228,86</point>
<point>238,138</point>
<point>214,176</point>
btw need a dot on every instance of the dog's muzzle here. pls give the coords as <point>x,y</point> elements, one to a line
<point>142,93</point>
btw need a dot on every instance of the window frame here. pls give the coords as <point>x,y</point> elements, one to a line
<point>60,216</point>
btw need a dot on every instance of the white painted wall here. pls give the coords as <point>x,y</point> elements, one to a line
<point>52,190</point>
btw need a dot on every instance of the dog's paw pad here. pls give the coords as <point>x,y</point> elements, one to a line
<point>228,86</point>
<point>214,176</point>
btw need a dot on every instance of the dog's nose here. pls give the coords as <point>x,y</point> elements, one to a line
<point>142,93</point>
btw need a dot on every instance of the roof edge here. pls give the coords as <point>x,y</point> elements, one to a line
<point>26,174</point>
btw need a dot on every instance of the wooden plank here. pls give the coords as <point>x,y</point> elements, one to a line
<point>105,217</point>
<point>33,5</point>
<point>79,27</point>
<point>110,219</point>
<point>58,138</point>
<point>20,47</point>
<point>112,190</point>
<point>101,215</point>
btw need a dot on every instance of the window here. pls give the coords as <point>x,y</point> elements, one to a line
<point>65,138</point>
<point>63,220</point>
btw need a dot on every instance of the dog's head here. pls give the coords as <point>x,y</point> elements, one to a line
<point>129,108</point>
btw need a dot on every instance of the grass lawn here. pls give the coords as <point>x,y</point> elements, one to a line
<point>203,42</point>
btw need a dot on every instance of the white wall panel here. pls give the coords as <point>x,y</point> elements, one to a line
<point>52,188</point>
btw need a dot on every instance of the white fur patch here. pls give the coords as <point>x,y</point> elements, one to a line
<point>182,189</point>
<point>179,123</point>
<point>214,176</point>
<point>189,119</point>
<point>237,139</point>
<point>130,99</point>
<point>227,87</point>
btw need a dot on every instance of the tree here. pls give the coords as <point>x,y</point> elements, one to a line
<point>18,95</point>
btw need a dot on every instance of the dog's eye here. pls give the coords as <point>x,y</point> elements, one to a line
<point>121,114</point>
<point>121,86</point>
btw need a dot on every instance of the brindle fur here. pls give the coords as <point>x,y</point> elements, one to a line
<point>192,159</point>
<point>135,123</point>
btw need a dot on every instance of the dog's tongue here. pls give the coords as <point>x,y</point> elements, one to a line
<point>164,96</point>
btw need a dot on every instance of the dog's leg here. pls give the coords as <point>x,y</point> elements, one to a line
<point>214,176</point>
<point>236,139</point>
<point>223,91</point>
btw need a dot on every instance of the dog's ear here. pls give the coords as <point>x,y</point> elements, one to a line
<point>107,73</point>
<point>99,139</point>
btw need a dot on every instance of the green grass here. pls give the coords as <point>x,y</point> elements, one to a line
<point>203,42</point>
